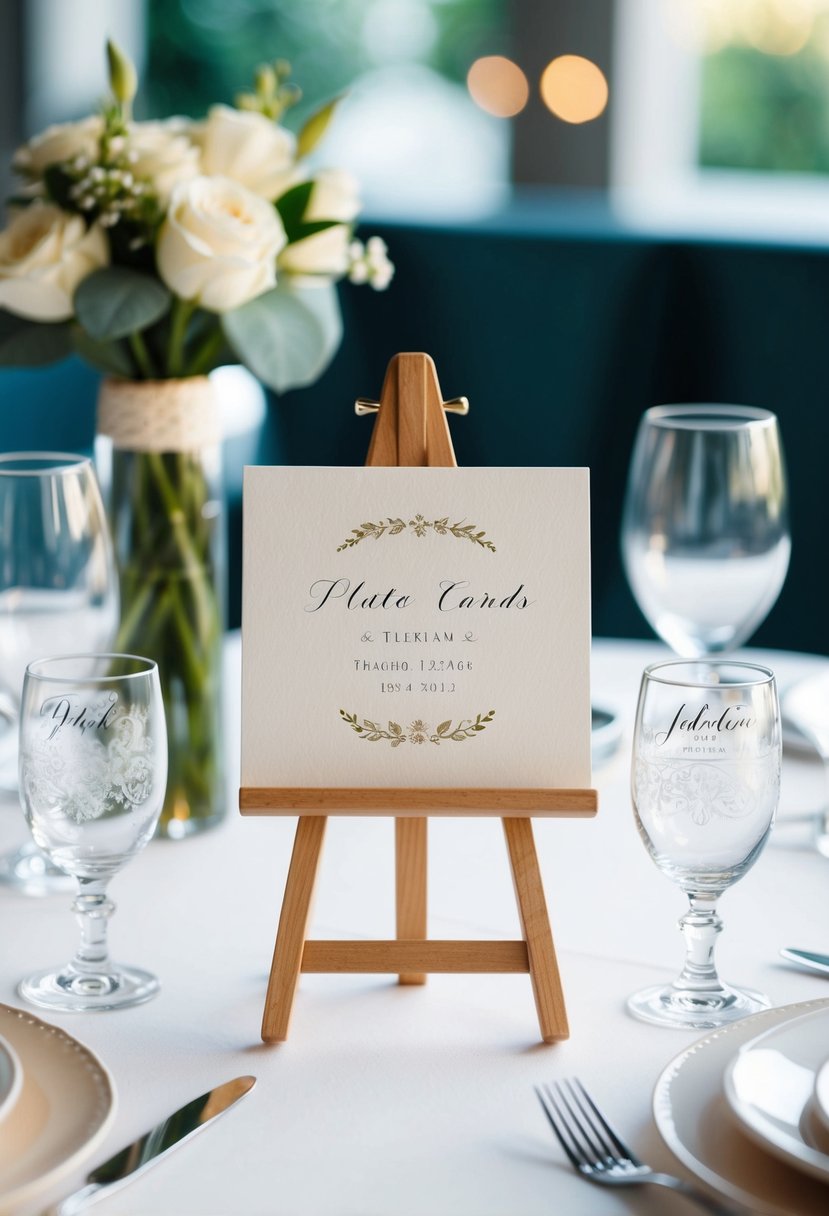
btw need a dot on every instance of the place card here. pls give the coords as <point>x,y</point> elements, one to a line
<point>416,627</point>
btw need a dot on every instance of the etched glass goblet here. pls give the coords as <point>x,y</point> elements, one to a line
<point>93,772</point>
<point>705,784</point>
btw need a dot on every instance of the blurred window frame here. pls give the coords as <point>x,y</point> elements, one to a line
<point>655,179</point>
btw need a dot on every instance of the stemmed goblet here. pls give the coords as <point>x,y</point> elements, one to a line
<point>705,785</point>
<point>58,591</point>
<point>93,772</point>
<point>705,533</point>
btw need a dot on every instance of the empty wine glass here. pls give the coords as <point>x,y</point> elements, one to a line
<point>705,786</point>
<point>58,591</point>
<point>705,534</point>
<point>93,772</point>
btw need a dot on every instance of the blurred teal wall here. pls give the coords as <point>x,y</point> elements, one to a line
<point>561,328</point>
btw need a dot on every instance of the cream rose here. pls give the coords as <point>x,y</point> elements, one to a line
<point>248,148</point>
<point>163,152</point>
<point>218,244</point>
<point>44,255</point>
<point>335,196</point>
<point>59,143</point>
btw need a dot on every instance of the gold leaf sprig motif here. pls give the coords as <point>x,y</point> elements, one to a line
<point>394,526</point>
<point>418,731</point>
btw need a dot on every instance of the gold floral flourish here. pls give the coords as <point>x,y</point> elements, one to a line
<point>419,731</point>
<point>419,526</point>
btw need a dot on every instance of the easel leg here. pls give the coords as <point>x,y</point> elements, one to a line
<point>293,926</point>
<point>410,867</point>
<point>535,925</point>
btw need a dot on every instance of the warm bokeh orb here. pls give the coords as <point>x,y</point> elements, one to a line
<point>498,86</point>
<point>574,88</point>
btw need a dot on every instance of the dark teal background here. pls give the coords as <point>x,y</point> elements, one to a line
<point>561,328</point>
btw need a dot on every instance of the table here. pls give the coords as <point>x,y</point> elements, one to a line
<point>390,1101</point>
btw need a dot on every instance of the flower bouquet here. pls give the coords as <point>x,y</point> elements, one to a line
<point>158,251</point>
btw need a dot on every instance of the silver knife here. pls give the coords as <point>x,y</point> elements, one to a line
<point>806,958</point>
<point>154,1144</point>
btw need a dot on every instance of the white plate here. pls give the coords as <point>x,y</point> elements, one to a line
<point>11,1077</point>
<point>769,1086</point>
<point>697,1125</point>
<point>821,1096</point>
<point>65,1108</point>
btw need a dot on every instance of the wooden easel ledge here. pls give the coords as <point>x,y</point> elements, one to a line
<point>402,802</point>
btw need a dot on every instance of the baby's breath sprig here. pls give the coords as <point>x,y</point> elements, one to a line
<point>370,263</point>
<point>107,188</point>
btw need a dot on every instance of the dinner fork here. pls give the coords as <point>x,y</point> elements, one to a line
<point>598,1153</point>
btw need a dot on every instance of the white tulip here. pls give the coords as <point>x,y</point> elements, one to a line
<point>335,196</point>
<point>249,148</point>
<point>44,254</point>
<point>218,244</point>
<point>60,143</point>
<point>162,152</point>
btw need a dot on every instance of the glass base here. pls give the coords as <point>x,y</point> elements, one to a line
<point>73,991</point>
<point>686,1010</point>
<point>31,873</point>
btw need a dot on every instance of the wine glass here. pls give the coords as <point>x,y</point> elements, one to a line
<point>705,534</point>
<point>58,591</point>
<point>93,772</point>
<point>705,785</point>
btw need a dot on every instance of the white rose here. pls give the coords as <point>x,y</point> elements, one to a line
<point>163,152</point>
<point>218,244</point>
<point>44,255</point>
<point>334,197</point>
<point>59,143</point>
<point>249,148</point>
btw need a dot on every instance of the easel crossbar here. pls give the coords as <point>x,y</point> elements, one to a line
<point>406,956</point>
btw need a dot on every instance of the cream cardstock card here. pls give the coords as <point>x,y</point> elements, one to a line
<point>416,627</point>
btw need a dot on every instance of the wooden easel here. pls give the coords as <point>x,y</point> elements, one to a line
<point>411,429</point>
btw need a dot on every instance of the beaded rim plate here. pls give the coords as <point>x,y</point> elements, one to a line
<point>11,1077</point>
<point>65,1108</point>
<point>695,1121</point>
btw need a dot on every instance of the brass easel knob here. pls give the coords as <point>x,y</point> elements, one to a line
<point>455,405</point>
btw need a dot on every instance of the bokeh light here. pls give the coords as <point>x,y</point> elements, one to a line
<point>574,88</point>
<point>498,86</point>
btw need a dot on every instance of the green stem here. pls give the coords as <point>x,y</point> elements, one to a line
<point>181,314</point>
<point>141,355</point>
<point>191,563</point>
<point>207,352</point>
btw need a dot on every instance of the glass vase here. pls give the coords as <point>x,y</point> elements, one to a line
<point>159,454</point>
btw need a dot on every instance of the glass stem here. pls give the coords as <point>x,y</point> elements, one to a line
<point>700,926</point>
<point>92,910</point>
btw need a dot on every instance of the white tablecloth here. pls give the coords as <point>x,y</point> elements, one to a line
<point>389,1101</point>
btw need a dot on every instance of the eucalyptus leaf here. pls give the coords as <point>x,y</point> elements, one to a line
<point>109,357</point>
<point>315,127</point>
<point>32,343</point>
<point>288,336</point>
<point>114,302</point>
